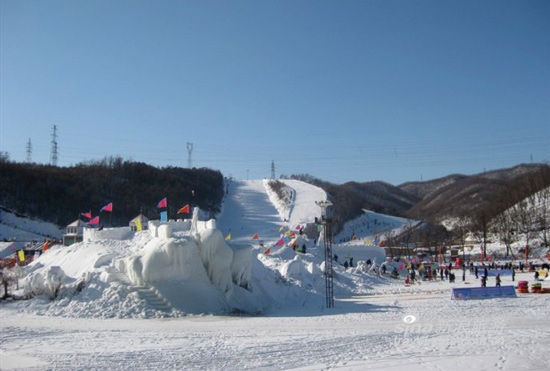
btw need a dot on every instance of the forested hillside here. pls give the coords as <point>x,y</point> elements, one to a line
<point>60,194</point>
<point>351,198</point>
<point>435,200</point>
<point>489,193</point>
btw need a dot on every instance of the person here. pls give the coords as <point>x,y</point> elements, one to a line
<point>351,261</point>
<point>384,269</point>
<point>484,281</point>
<point>413,275</point>
<point>441,273</point>
<point>336,258</point>
<point>536,275</point>
<point>513,274</point>
<point>407,280</point>
<point>394,273</point>
<point>304,248</point>
<point>446,273</point>
<point>451,277</point>
<point>485,272</point>
<point>346,265</point>
<point>476,272</point>
<point>369,262</point>
<point>497,280</point>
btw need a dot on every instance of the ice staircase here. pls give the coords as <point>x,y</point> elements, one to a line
<point>152,297</point>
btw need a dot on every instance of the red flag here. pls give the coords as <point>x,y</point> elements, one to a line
<point>281,242</point>
<point>267,252</point>
<point>184,209</point>
<point>255,237</point>
<point>162,203</point>
<point>87,215</point>
<point>108,207</point>
<point>94,221</point>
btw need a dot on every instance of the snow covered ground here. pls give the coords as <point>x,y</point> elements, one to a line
<point>396,328</point>
<point>142,301</point>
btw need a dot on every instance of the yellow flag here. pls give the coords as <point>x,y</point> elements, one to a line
<point>138,225</point>
<point>282,227</point>
<point>21,255</point>
<point>228,237</point>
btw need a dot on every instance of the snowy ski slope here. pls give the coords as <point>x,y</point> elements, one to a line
<point>247,210</point>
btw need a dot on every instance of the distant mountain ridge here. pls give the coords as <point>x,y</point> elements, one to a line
<point>436,199</point>
<point>457,195</point>
<point>351,198</point>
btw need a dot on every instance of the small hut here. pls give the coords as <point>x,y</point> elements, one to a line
<point>73,232</point>
<point>139,223</point>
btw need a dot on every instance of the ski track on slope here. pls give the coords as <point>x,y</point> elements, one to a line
<point>247,210</point>
<point>304,209</point>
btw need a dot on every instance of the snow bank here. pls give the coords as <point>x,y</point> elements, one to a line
<point>145,276</point>
<point>120,233</point>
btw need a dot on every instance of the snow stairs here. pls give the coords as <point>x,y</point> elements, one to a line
<point>150,295</point>
<point>153,298</point>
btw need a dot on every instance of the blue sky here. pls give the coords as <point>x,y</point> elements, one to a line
<point>343,90</point>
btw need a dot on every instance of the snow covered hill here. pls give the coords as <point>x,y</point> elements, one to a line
<point>248,209</point>
<point>24,229</point>
<point>371,227</point>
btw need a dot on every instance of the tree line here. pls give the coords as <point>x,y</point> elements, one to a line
<point>60,194</point>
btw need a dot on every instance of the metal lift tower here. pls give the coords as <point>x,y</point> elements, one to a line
<point>326,223</point>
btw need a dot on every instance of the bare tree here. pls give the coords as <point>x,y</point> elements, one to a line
<point>8,278</point>
<point>480,229</point>
<point>461,230</point>
<point>524,218</point>
<point>504,228</point>
<point>542,218</point>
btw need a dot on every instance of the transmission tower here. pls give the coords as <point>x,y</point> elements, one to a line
<point>29,151</point>
<point>326,223</point>
<point>189,155</point>
<point>272,169</point>
<point>53,153</point>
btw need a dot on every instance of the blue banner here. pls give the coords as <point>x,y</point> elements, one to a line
<point>474,293</point>
<point>163,216</point>
<point>502,272</point>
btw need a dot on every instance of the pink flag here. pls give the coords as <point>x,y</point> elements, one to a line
<point>87,215</point>
<point>94,221</point>
<point>108,207</point>
<point>281,242</point>
<point>162,203</point>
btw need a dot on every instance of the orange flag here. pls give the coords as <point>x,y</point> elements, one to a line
<point>184,209</point>
<point>255,237</point>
